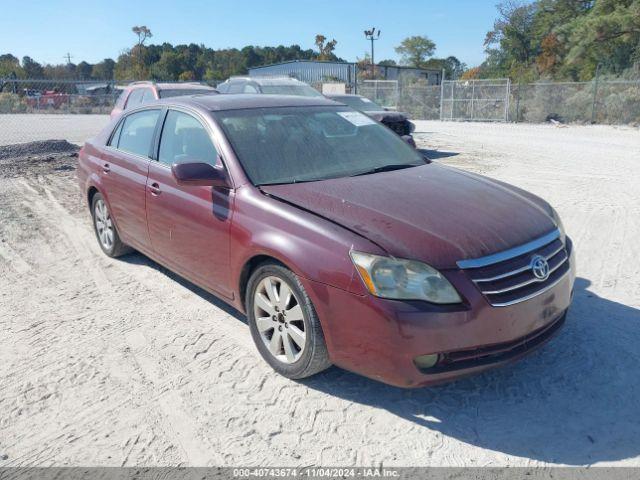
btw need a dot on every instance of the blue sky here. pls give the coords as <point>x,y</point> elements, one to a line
<point>93,29</point>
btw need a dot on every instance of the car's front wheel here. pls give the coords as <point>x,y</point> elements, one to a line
<point>284,325</point>
<point>105,229</point>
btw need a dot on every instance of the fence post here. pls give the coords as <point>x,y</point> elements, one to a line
<point>518,101</point>
<point>442,95</point>
<point>507,100</point>
<point>595,95</point>
<point>473,96</point>
<point>453,87</point>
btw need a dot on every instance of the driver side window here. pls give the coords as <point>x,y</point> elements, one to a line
<point>184,139</point>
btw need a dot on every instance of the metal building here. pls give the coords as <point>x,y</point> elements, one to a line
<point>309,71</point>
<point>316,72</point>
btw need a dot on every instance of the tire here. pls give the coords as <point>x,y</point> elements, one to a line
<point>294,362</point>
<point>105,229</point>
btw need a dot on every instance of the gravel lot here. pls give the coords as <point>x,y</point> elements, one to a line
<point>120,362</point>
<point>19,128</point>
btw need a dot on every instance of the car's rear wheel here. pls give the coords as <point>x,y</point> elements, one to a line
<point>284,325</point>
<point>105,229</point>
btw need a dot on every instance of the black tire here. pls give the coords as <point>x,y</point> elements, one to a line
<point>117,247</point>
<point>314,357</point>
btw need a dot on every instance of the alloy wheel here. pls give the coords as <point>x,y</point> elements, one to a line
<point>279,319</point>
<point>104,226</point>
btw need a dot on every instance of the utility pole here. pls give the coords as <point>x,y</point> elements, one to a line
<point>68,56</point>
<point>372,35</point>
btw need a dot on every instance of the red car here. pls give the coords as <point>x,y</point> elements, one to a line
<point>141,93</point>
<point>340,242</point>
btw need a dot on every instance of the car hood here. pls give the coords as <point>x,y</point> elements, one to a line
<point>432,213</point>
<point>386,116</point>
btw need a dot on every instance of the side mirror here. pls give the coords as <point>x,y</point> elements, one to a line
<point>408,139</point>
<point>199,174</point>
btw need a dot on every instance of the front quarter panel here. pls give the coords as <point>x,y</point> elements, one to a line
<point>311,246</point>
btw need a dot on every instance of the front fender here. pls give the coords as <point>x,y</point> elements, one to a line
<point>309,245</point>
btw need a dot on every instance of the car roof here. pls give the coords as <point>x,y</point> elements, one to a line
<point>246,101</point>
<point>183,86</point>
<point>169,85</point>
<point>274,80</point>
<point>342,95</point>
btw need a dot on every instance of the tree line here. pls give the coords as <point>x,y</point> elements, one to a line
<point>543,39</point>
<point>562,40</point>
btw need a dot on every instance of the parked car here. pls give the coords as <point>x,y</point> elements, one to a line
<point>340,243</point>
<point>396,121</point>
<point>268,85</point>
<point>46,99</point>
<point>140,93</point>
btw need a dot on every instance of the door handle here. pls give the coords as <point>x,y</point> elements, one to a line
<point>106,168</point>
<point>154,188</point>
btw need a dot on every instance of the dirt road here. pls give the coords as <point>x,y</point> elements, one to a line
<point>120,362</point>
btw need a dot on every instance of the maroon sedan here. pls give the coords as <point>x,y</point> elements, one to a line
<point>341,243</point>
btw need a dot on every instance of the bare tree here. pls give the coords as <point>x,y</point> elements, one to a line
<point>143,33</point>
<point>138,51</point>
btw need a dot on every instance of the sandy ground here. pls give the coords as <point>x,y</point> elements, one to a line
<point>19,128</point>
<point>120,362</point>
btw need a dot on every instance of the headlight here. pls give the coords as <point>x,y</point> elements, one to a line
<point>403,279</point>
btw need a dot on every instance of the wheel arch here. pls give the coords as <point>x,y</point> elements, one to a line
<point>250,266</point>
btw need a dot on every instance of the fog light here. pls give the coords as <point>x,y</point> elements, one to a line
<point>424,362</point>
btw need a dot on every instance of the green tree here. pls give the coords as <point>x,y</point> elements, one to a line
<point>608,34</point>
<point>83,70</point>
<point>511,44</point>
<point>415,51</point>
<point>103,70</point>
<point>32,69</point>
<point>10,66</point>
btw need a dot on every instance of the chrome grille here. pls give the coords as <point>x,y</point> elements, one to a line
<point>507,278</point>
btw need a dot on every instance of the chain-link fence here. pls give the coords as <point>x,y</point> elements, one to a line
<point>473,100</point>
<point>611,101</point>
<point>605,101</point>
<point>39,109</point>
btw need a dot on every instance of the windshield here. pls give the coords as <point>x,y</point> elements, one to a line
<point>179,92</point>
<point>297,144</point>
<point>359,103</point>
<point>299,90</point>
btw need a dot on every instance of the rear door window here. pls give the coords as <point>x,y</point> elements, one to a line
<point>137,132</point>
<point>184,139</point>
<point>147,96</point>
<point>135,97</point>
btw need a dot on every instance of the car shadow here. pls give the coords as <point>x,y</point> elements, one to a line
<point>436,154</point>
<point>574,401</point>
<point>136,258</point>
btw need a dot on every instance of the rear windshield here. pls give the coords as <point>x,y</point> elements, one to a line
<point>179,92</point>
<point>298,144</point>
<point>299,90</point>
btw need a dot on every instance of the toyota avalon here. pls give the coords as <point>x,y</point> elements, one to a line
<point>341,243</point>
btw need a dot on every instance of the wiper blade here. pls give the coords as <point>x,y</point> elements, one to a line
<point>387,168</point>
<point>288,182</point>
